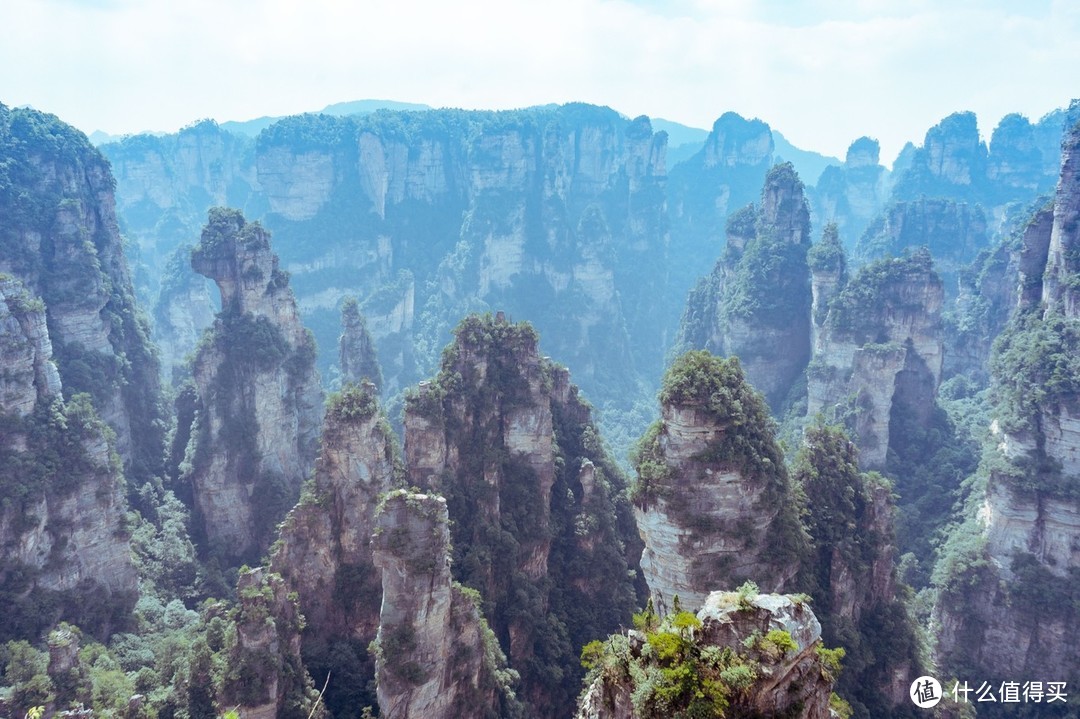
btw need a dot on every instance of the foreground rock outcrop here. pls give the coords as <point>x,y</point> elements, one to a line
<point>436,656</point>
<point>744,654</point>
<point>258,405</point>
<point>713,500</point>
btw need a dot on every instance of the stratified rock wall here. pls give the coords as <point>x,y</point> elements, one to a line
<point>713,501</point>
<point>1008,577</point>
<point>60,238</point>
<point>436,656</point>
<point>259,402</point>
<point>879,343</point>
<point>538,515</point>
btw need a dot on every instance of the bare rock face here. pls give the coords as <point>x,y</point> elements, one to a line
<point>853,194</point>
<point>793,681</point>
<point>259,401</point>
<point>881,343</point>
<point>1062,263</point>
<point>61,240</point>
<point>436,656</point>
<point>183,310</point>
<point>63,523</point>
<point>713,501</point>
<point>356,350</point>
<point>533,497</point>
<point>266,678</point>
<point>323,550</point>
<point>30,375</point>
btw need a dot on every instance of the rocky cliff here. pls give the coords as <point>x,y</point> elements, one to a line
<point>757,302</point>
<point>356,350</point>
<point>323,550</point>
<point>165,184</point>
<point>60,239</point>
<point>878,345</point>
<point>63,527</point>
<point>849,515</point>
<point>555,213</point>
<point>258,405</point>
<point>743,654</point>
<point>1007,580</point>
<point>853,194</point>
<point>184,310</point>
<point>539,520</point>
<point>265,678</point>
<point>436,656</point>
<point>725,175</point>
<point>713,501</point>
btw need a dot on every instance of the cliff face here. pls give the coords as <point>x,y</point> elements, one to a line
<point>266,678</point>
<point>1003,607</point>
<point>356,350</point>
<point>165,185</point>
<point>324,546</point>
<point>954,232</point>
<point>436,656</point>
<point>554,213</point>
<point>183,310</point>
<point>713,501</point>
<point>879,344</point>
<point>771,641</point>
<point>538,519</point>
<point>60,239</point>
<point>63,524</point>
<point>757,302</point>
<point>852,195</point>
<point>258,396</point>
<point>725,175</point>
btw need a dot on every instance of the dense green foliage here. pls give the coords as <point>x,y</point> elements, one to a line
<point>849,522</point>
<point>879,285</point>
<point>717,386</point>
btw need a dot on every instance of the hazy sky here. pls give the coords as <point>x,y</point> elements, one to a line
<point>823,72</point>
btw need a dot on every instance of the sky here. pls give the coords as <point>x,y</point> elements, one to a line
<point>823,72</point>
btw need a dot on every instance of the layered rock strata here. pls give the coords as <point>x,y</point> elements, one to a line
<point>1007,576</point>
<point>757,302</point>
<point>535,501</point>
<point>713,501</point>
<point>879,344</point>
<point>436,656</point>
<point>60,238</point>
<point>256,426</point>
<point>63,527</point>
<point>357,359</point>
<point>324,546</point>
<point>265,678</point>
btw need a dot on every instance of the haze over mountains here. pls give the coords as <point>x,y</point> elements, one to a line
<point>474,391</point>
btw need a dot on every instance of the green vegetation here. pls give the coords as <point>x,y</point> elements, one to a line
<point>491,373</point>
<point>880,284</point>
<point>717,387</point>
<point>849,520</point>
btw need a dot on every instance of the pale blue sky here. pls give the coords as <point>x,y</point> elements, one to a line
<point>822,72</point>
